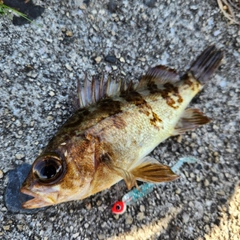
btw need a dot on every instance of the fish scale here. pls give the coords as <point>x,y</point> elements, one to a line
<point>116,127</point>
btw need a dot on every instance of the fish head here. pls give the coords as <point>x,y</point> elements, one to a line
<point>56,178</point>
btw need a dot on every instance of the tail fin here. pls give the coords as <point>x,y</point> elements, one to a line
<point>206,64</point>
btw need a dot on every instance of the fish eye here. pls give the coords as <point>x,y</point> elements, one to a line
<point>48,169</point>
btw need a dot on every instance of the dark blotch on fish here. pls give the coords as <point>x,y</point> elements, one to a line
<point>13,197</point>
<point>135,98</point>
<point>110,106</point>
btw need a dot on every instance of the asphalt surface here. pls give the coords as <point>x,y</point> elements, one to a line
<point>39,66</point>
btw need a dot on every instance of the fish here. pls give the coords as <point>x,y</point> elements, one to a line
<point>143,190</point>
<point>117,125</point>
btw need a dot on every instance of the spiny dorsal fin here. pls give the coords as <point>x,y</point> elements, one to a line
<point>158,75</point>
<point>190,119</point>
<point>95,90</point>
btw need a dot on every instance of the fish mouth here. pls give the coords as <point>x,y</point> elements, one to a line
<point>37,201</point>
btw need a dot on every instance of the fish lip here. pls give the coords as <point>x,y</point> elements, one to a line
<point>36,202</point>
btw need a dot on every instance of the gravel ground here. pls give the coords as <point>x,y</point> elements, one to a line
<point>39,66</point>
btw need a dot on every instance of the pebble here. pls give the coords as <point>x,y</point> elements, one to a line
<point>69,33</point>
<point>67,65</point>
<point>122,60</point>
<point>178,191</point>
<point>110,59</point>
<point>98,59</point>
<point>140,216</point>
<point>185,217</point>
<point>19,156</point>
<point>6,228</point>
<point>142,208</point>
<point>101,236</point>
<point>20,227</point>
<point>193,7</point>
<point>128,220</point>
<point>192,175</point>
<point>49,118</point>
<point>1,174</point>
<point>206,183</point>
<point>214,179</point>
<point>83,6</point>
<point>142,59</point>
<point>51,93</point>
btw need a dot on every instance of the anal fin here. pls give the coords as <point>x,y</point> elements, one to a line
<point>191,119</point>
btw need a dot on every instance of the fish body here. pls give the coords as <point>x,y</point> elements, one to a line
<point>116,127</point>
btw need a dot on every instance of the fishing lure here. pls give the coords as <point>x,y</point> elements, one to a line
<point>138,193</point>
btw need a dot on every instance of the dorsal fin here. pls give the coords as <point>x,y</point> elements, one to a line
<point>158,75</point>
<point>95,90</point>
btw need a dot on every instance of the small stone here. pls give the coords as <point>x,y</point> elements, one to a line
<point>1,174</point>
<point>83,6</point>
<point>112,6</point>
<point>20,227</point>
<point>140,216</point>
<point>101,236</point>
<point>198,178</point>
<point>88,206</point>
<point>75,235</point>
<point>142,208</point>
<point>179,139</point>
<point>206,183</point>
<point>6,228</point>
<point>49,118</point>
<point>214,179</point>
<point>67,65</point>
<point>207,228</point>
<point>98,59</point>
<point>69,33</point>
<point>128,220</point>
<point>110,59</point>
<point>193,7</point>
<point>178,191</point>
<point>114,67</point>
<point>150,3</point>
<point>86,225</point>
<point>185,217</point>
<point>51,93</point>
<point>4,209</point>
<point>142,59</point>
<point>122,59</point>
<point>192,175</point>
<point>19,156</point>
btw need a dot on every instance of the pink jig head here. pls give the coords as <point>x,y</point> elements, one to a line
<point>119,207</point>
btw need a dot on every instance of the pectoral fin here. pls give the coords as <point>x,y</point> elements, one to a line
<point>191,119</point>
<point>152,171</point>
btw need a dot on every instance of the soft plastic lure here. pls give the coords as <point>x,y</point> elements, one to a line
<point>138,193</point>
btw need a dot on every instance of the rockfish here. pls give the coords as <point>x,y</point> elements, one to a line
<point>116,127</point>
